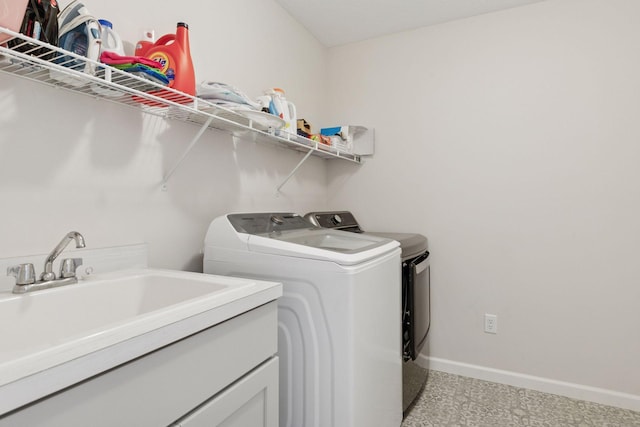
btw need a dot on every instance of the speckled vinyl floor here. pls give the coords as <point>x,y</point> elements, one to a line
<point>450,400</point>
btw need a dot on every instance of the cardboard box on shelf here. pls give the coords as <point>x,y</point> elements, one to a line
<point>304,126</point>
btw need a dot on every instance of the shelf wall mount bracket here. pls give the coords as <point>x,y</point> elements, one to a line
<point>293,172</point>
<point>193,142</point>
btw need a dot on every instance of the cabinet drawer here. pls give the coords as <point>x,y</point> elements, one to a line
<point>250,401</point>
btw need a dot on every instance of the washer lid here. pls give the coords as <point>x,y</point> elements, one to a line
<point>338,246</point>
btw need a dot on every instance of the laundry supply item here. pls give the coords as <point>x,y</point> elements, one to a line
<point>352,139</point>
<point>264,101</point>
<point>342,131</point>
<point>259,119</point>
<point>215,91</point>
<point>79,34</point>
<point>145,71</point>
<point>143,46</point>
<point>110,40</point>
<point>172,52</point>
<point>282,108</point>
<point>303,127</point>
<point>135,65</point>
<point>343,137</point>
<point>39,20</point>
<point>321,139</point>
<point>339,137</point>
<point>112,58</point>
<point>11,16</point>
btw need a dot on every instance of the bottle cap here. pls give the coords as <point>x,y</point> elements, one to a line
<point>105,23</point>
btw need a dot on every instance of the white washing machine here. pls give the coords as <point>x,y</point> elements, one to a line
<point>339,338</point>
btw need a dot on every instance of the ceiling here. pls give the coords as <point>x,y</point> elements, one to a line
<point>337,22</point>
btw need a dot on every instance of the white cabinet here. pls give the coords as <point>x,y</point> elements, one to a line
<point>252,401</point>
<point>226,374</point>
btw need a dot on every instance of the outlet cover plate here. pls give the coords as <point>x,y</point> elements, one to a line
<point>491,323</point>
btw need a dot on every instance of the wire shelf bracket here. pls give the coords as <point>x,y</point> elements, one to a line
<point>304,159</point>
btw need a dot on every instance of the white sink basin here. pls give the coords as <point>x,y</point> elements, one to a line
<point>45,319</point>
<point>105,320</point>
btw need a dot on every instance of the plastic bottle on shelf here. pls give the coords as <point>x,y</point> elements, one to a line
<point>173,53</point>
<point>284,109</point>
<point>143,46</point>
<point>110,40</point>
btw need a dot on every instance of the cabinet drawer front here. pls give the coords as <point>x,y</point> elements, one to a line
<point>250,401</point>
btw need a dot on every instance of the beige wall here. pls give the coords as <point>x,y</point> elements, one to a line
<point>511,141</point>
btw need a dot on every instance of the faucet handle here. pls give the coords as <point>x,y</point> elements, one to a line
<point>25,274</point>
<point>68,267</point>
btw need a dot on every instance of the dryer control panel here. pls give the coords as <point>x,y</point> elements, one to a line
<point>340,220</point>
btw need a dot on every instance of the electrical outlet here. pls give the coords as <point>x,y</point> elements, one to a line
<point>491,323</point>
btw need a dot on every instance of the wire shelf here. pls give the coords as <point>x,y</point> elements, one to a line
<point>34,60</point>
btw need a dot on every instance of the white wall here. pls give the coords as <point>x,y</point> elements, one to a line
<point>75,163</point>
<point>511,141</point>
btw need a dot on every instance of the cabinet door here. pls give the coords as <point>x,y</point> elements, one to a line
<point>252,401</point>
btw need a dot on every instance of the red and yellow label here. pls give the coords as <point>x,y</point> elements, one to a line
<point>163,59</point>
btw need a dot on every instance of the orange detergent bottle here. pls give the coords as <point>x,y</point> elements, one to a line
<point>143,46</point>
<point>172,52</point>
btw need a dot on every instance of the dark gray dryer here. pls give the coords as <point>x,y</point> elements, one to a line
<point>415,294</point>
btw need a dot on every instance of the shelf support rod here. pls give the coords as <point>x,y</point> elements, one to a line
<point>189,148</point>
<point>294,170</point>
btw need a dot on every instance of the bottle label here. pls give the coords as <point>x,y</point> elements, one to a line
<point>171,74</point>
<point>163,59</point>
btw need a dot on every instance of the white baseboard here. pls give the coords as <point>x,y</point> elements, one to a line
<point>546,385</point>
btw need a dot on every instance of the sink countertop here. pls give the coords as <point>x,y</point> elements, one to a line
<point>40,369</point>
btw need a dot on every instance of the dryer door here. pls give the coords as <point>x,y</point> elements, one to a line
<point>417,313</point>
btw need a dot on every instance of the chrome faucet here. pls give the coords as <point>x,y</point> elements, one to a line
<point>25,273</point>
<point>48,273</point>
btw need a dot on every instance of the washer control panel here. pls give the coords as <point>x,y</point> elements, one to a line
<point>265,223</point>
